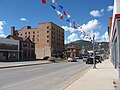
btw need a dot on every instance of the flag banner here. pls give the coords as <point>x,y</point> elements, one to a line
<point>79,29</point>
<point>74,22</point>
<point>53,7</point>
<point>64,12</point>
<point>60,8</point>
<point>68,20</point>
<point>53,1</point>
<point>44,1</point>
<point>70,24</point>
<point>86,37</point>
<point>75,27</point>
<point>68,15</point>
<point>59,13</point>
<point>62,17</point>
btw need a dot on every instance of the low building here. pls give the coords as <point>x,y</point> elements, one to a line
<point>9,49</point>
<point>26,47</point>
<point>72,51</point>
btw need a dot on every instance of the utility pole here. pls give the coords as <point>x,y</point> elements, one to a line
<point>94,67</point>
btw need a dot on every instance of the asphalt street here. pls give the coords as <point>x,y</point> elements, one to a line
<point>55,76</point>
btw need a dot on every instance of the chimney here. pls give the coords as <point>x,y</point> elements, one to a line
<point>13,30</point>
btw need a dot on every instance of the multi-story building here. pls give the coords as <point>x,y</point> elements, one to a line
<point>72,51</point>
<point>9,49</point>
<point>109,25</point>
<point>26,47</point>
<point>48,38</point>
<point>115,36</point>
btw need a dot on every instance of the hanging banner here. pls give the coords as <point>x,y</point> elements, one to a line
<point>44,1</point>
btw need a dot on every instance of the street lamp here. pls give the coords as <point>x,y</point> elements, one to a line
<point>100,50</point>
<point>94,52</point>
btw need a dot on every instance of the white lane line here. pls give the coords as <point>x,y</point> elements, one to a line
<point>20,83</point>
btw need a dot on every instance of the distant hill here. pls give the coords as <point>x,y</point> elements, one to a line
<point>88,45</point>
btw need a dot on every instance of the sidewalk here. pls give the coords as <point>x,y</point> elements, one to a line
<point>20,64</point>
<point>97,79</point>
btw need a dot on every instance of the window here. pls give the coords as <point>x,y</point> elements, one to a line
<point>32,46</point>
<point>47,31</point>
<point>47,41</point>
<point>24,44</point>
<point>28,32</point>
<point>33,32</point>
<point>52,27</point>
<point>33,36</point>
<point>25,32</point>
<point>47,27</point>
<point>21,34</point>
<point>47,36</point>
<point>33,39</point>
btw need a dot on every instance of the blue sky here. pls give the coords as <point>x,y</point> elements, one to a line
<point>92,16</point>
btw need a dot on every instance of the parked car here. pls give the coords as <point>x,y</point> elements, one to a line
<point>72,59</point>
<point>46,58</point>
<point>52,59</point>
<point>80,57</point>
<point>85,58</point>
<point>90,60</point>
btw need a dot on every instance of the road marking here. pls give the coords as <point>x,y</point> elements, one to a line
<point>20,83</point>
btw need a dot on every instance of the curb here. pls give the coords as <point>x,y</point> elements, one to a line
<point>78,77</point>
<point>12,66</point>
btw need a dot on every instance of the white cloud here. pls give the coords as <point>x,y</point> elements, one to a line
<point>97,35</point>
<point>90,26</point>
<point>97,13</point>
<point>69,29</point>
<point>72,37</point>
<point>105,37</point>
<point>2,23</point>
<point>66,42</point>
<point>109,8</point>
<point>23,19</point>
<point>101,38</point>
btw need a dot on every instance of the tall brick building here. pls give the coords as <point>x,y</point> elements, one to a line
<point>48,38</point>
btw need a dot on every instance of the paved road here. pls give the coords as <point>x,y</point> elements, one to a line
<point>54,76</point>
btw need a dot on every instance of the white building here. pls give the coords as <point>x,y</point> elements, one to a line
<point>115,36</point>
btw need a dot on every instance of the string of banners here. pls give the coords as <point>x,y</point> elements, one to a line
<point>59,9</point>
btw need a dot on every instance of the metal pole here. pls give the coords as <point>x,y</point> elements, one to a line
<point>94,53</point>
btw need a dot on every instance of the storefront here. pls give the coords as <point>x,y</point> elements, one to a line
<point>9,49</point>
<point>115,36</point>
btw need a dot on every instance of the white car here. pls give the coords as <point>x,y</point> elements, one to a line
<point>85,58</point>
<point>72,59</point>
